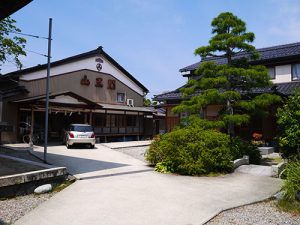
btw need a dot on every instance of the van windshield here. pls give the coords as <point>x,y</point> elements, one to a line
<point>81,128</point>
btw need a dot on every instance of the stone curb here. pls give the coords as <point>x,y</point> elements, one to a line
<point>242,161</point>
<point>234,207</point>
<point>32,176</point>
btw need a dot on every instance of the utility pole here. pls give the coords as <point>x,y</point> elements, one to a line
<point>47,90</point>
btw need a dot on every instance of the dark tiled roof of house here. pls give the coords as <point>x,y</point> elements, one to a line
<point>274,53</point>
<point>282,89</point>
<point>287,88</point>
<point>176,94</point>
<point>168,96</point>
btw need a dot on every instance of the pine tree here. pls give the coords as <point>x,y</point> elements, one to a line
<point>231,82</point>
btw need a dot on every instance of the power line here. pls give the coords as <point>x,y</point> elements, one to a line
<point>29,35</point>
<point>35,52</point>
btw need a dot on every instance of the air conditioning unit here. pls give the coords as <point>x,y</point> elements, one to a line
<point>130,102</point>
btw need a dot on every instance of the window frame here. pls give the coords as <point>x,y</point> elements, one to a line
<point>292,73</point>
<point>124,96</point>
<point>274,69</point>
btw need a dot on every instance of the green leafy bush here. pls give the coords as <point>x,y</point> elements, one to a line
<point>239,148</point>
<point>292,182</point>
<point>289,126</point>
<point>191,151</point>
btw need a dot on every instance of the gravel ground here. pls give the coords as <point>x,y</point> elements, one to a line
<point>264,213</point>
<point>13,209</point>
<point>135,152</point>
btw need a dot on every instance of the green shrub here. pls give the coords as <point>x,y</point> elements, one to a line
<point>191,151</point>
<point>289,126</point>
<point>292,182</point>
<point>239,148</point>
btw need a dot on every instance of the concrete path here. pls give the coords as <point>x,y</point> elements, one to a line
<point>116,189</point>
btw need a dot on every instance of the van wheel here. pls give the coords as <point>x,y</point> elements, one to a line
<point>92,146</point>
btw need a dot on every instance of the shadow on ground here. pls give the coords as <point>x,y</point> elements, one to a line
<point>11,167</point>
<point>77,165</point>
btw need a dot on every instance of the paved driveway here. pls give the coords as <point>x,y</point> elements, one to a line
<point>116,189</point>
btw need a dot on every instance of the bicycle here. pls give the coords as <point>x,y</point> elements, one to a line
<point>34,139</point>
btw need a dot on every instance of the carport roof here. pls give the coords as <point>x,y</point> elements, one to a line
<point>125,108</point>
<point>53,95</point>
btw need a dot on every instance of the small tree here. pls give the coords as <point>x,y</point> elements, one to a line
<point>147,102</point>
<point>289,126</point>
<point>11,48</point>
<point>230,82</point>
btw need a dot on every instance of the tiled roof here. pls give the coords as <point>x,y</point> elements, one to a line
<point>176,94</point>
<point>168,96</point>
<point>283,89</point>
<point>266,54</point>
<point>287,88</point>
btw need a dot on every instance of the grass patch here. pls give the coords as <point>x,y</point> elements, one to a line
<point>271,161</point>
<point>59,187</point>
<point>289,206</point>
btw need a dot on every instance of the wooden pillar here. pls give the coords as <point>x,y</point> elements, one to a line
<point>118,121</point>
<point>32,122</point>
<point>105,116</point>
<point>110,123</point>
<point>138,119</point>
<point>91,117</point>
<point>85,117</point>
<point>18,122</point>
<point>125,123</point>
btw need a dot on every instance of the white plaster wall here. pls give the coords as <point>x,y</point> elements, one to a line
<point>90,64</point>
<point>283,74</point>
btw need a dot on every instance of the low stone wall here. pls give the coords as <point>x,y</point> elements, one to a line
<point>25,183</point>
<point>32,176</point>
<point>277,169</point>
<point>242,161</point>
<point>266,150</point>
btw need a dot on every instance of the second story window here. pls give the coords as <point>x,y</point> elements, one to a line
<point>296,71</point>
<point>272,73</point>
<point>120,97</point>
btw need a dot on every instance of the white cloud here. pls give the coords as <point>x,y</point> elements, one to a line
<point>289,21</point>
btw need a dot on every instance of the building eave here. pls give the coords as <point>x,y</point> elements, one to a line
<point>99,51</point>
<point>8,7</point>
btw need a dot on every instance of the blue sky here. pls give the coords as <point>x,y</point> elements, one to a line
<point>152,39</point>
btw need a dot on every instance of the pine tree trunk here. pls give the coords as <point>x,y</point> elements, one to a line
<point>230,126</point>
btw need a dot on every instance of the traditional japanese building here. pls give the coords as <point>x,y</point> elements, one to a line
<point>86,88</point>
<point>283,64</point>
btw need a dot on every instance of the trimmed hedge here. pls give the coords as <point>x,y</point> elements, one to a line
<point>191,151</point>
